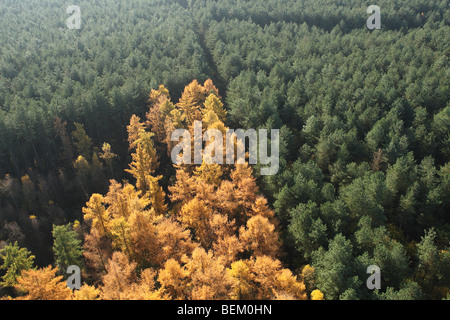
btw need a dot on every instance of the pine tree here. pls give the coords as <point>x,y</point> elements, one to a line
<point>82,142</point>
<point>433,268</point>
<point>61,131</point>
<point>15,260</point>
<point>66,247</point>
<point>334,268</point>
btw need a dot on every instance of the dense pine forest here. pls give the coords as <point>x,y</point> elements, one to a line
<point>86,177</point>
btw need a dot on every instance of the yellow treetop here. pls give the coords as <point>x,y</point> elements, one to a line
<point>316,295</point>
<point>86,292</point>
<point>42,284</point>
<point>96,211</point>
<point>213,103</point>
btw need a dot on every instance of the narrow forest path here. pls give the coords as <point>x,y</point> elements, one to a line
<point>215,75</point>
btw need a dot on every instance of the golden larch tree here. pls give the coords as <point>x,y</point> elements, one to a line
<point>174,280</point>
<point>209,278</point>
<point>87,292</point>
<point>191,101</point>
<point>259,237</point>
<point>95,210</point>
<point>42,284</point>
<point>117,282</point>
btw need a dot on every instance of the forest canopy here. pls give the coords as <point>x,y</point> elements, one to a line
<point>86,177</point>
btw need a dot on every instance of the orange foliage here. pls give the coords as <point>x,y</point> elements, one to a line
<point>218,241</point>
<point>42,284</point>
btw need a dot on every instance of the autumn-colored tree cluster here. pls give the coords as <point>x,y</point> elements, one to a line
<point>216,238</point>
<point>213,236</point>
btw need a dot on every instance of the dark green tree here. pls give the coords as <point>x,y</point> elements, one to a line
<point>66,247</point>
<point>15,260</point>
